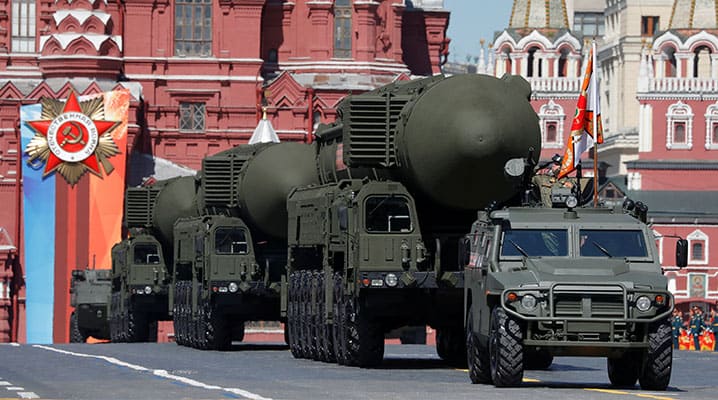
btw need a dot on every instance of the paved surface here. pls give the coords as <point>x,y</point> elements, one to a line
<point>268,371</point>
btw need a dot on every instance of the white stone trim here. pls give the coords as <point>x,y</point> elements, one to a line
<point>645,128</point>
<point>96,39</point>
<point>698,236</point>
<point>679,112</point>
<point>218,78</point>
<point>552,113</point>
<point>80,15</point>
<point>711,119</point>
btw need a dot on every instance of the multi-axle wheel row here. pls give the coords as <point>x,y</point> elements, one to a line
<point>206,328</point>
<point>351,339</point>
<point>129,324</point>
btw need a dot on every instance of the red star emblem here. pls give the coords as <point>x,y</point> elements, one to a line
<point>72,136</point>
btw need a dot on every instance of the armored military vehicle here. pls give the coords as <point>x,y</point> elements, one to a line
<point>89,291</point>
<point>142,263</point>
<point>546,281</point>
<point>374,246</point>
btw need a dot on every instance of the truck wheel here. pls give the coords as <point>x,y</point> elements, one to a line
<point>320,327</point>
<point>505,349</point>
<point>451,346</point>
<point>218,333</point>
<point>623,371</point>
<point>658,359</point>
<point>292,319</point>
<point>238,331</point>
<point>302,315</point>
<point>76,335</point>
<point>314,344</point>
<point>365,339</point>
<point>177,313</point>
<point>537,359</point>
<point>114,331</point>
<point>326,329</point>
<point>477,356</point>
<point>339,329</point>
<point>138,328</point>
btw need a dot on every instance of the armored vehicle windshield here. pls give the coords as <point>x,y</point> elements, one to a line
<point>535,243</point>
<point>230,241</point>
<point>612,243</point>
<point>388,214</point>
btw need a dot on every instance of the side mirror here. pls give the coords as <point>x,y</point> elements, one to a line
<point>681,253</point>
<point>464,251</point>
<point>343,214</point>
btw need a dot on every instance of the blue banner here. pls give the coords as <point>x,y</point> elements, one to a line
<point>39,237</point>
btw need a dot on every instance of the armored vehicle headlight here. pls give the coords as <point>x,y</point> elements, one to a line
<point>99,313</point>
<point>391,280</point>
<point>148,289</point>
<point>233,287</point>
<point>571,201</point>
<point>528,302</point>
<point>643,303</point>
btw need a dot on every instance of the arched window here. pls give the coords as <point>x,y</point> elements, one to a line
<point>563,63</point>
<point>712,127</point>
<point>342,29</point>
<point>193,28</point>
<point>679,126</point>
<point>697,247</point>
<point>533,69</point>
<point>702,62</point>
<point>552,120</point>
<point>669,55</point>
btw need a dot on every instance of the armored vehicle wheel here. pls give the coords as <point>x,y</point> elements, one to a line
<point>537,359</point>
<point>313,316</point>
<point>219,335</point>
<point>304,311</point>
<point>319,327</point>
<point>76,335</point>
<point>114,322</point>
<point>623,371</point>
<point>505,349</point>
<point>177,313</point>
<point>658,358</point>
<point>339,326</point>
<point>138,328</point>
<point>291,329</point>
<point>365,339</point>
<point>477,355</point>
<point>450,345</point>
<point>238,331</point>
<point>327,334</point>
<point>201,321</point>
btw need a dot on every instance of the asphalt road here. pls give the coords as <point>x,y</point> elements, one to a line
<point>266,371</point>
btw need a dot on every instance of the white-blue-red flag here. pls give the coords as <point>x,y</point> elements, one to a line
<point>586,121</point>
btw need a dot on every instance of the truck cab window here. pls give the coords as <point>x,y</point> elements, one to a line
<point>534,243</point>
<point>230,241</point>
<point>146,253</point>
<point>388,214</point>
<point>612,243</point>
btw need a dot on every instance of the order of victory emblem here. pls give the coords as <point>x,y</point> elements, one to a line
<point>72,138</point>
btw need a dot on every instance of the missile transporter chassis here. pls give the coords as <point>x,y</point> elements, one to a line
<point>140,292</point>
<point>357,269</point>
<point>218,282</point>
<point>89,290</point>
<point>544,282</point>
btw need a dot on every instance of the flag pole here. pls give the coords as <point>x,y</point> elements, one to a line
<point>595,124</point>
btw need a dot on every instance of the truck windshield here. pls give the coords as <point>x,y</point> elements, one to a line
<point>534,242</point>
<point>612,243</point>
<point>146,253</point>
<point>387,214</point>
<point>230,241</point>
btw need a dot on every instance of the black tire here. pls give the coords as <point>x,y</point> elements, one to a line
<point>658,359</point>
<point>327,330</point>
<point>339,325</point>
<point>219,335</point>
<point>451,346</point>
<point>623,371</point>
<point>537,359</point>
<point>313,320</point>
<point>114,325</point>
<point>477,356</point>
<point>238,331</point>
<point>505,349</point>
<point>177,313</point>
<point>291,327</point>
<point>76,335</point>
<point>138,327</point>
<point>365,338</point>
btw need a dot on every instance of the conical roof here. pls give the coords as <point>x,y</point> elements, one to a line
<point>264,132</point>
<point>539,14</point>
<point>694,15</point>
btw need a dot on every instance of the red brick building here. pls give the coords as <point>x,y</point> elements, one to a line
<point>199,73</point>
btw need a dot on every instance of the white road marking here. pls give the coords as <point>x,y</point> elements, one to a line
<point>15,388</point>
<point>158,372</point>
<point>28,395</point>
<point>5,383</point>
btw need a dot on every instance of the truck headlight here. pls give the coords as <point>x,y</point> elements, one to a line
<point>148,289</point>
<point>391,280</point>
<point>528,302</point>
<point>643,303</point>
<point>233,287</point>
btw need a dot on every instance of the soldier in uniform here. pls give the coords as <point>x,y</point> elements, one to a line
<point>696,327</point>
<point>676,325</point>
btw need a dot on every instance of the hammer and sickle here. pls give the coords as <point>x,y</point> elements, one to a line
<point>74,138</point>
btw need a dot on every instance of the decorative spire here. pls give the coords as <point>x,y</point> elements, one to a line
<point>481,65</point>
<point>264,132</point>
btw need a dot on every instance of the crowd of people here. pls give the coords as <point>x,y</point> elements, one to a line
<point>697,332</point>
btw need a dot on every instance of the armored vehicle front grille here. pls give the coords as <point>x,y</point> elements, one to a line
<point>220,180</point>
<point>588,305</point>
<point>139,203</point>
<point>371,129</point>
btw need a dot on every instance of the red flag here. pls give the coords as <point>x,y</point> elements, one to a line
<point>586,120</point>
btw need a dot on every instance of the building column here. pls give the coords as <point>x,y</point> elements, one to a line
<point>398,10</point>
<point>714,66</point>
<point>321,43</point>
<point>660,60</point>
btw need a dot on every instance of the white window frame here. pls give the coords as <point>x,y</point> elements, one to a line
<point>711,119</point>
<point>698,236</point>
<point>679,112</point>
<point>552,113</point>
<point>24,13</point>
<point>659,239</point>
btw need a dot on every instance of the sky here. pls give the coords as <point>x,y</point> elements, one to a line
<point>472,20</point>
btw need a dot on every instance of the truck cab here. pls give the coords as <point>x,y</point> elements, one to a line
<point>544,282</point>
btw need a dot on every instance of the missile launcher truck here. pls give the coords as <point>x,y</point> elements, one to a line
<point>374,246</point>
<point>545,280</point>
<point>89,291</point>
